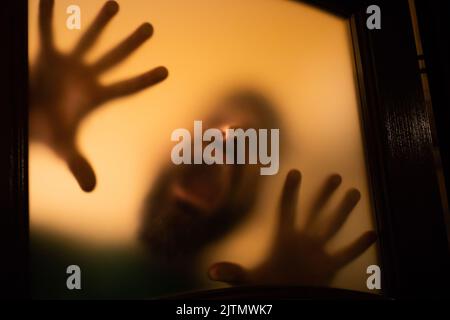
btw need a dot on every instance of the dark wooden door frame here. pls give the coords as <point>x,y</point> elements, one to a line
<point>397,128</point>
<point>399,144</point>
<point>435,34</point>
<point>13,149</point>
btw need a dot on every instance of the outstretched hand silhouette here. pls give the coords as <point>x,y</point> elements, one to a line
<point>298,257</point>
<point>64,89</point>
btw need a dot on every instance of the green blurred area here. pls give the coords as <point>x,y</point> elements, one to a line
<point>106,272</point>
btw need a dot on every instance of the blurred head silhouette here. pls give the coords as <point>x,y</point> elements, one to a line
<point>189,206</point>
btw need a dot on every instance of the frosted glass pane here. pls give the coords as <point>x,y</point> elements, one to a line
<point>296,55</point>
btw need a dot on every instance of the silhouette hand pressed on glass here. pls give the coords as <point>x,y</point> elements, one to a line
<point>64,89</point>
<point>299,256</point>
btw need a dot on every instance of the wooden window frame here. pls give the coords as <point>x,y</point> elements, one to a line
<point>399,134</point>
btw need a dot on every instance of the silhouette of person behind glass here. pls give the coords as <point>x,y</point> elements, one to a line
<point>189,206</point>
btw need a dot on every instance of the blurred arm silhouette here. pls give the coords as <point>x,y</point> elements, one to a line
<point>64,89</point>
<point>299,256</point>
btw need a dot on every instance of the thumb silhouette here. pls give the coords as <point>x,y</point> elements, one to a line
<point>228,272</point>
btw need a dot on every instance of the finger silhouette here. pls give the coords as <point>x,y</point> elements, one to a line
<point>135,84</point>
<point>348,254</point>
<point>82,171</point>
<point>45,23</point>
<point>288,202</point>
<point>228,272</point>
<point>330,185</point>
<point>87,40</point>
<point>336,221</point>
<point>125,48</point>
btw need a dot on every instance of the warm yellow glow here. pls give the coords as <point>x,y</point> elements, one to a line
<point>299,55</point>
